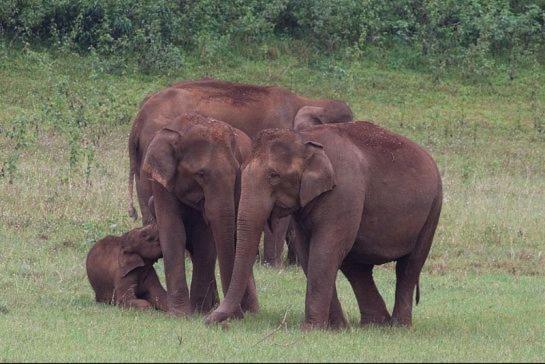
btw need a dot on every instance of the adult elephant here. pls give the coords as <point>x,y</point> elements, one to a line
<point>361,196</point>
<point>248,108</point>
<point>193,164</point>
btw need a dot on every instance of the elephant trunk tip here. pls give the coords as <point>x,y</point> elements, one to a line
<point>132,212</point>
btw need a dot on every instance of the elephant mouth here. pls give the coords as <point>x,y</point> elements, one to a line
<point>280,211</point>
<point>199,205</point>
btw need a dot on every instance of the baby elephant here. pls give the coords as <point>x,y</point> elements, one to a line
<point>120,269</point>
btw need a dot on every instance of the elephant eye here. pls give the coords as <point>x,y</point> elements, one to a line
<point>200,173</point>
<point>274,177</point>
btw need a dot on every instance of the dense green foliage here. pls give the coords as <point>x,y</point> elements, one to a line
<point>158,34</point>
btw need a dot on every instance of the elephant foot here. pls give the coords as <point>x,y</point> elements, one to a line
<point>179,311</point>
<point>291,262</point>
<point>158,303</point>
<point>369,320</point>
<point>310,326</point>
<point>250,302</point>
<point>291,259</point>
<point>337,321</point>
<point>205,305</point>
<point>138,304</point>
<point>179,306</point>
<point>375,321</point>
<point>219,315</point>
<point>401,322</point>
<point>338,324</point>
<point>272,263</point>
<point>250,305</point>
<point>204,308</point>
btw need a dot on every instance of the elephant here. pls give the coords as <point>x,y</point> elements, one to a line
<point>249,108</point>
<point>273,242</point>
<point>360,196</point>
<point>193,164</point>
<point>120,270</point>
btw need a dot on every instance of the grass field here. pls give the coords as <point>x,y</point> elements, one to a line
<point>64,124</point>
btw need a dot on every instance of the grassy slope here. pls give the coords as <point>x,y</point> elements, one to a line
<point>482,290</point>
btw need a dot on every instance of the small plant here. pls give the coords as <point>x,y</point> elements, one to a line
<point>476,64</point>
<point>409,33</point>
<point>468,170</point>
<point>20,135</point>
<point>538,112</point>
<point>70,117</point>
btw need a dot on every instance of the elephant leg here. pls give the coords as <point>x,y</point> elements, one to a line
<point>249,301</point>
<point>125,294</point>
<point>372,307</point>
<point>144,192</point>
<point>290,238</point>
<point>273,241</point>
<point>408,269</point>
<point>299,245</point>
<point>321,276</point>
<point>406,280</point>
<point>172,236</point>
<point>268,244</point>
<point>137,303</point>
<point>337,321</point>
<point>203,292</point>
<point>154,292</point>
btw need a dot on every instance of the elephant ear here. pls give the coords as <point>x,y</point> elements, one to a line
<point>160,160</point>
<point>242,146</point>
<point>318,176</point>
<point>308,116</point>
<point>129,261</point>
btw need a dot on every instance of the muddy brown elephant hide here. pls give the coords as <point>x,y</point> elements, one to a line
<point>361,196</point>
<point>120,269</point>
<point>193,164</point>
<point>249,108</point>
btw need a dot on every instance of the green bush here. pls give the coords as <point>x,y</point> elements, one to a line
<point>159,32</point>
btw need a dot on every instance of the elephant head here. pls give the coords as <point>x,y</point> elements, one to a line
<point>283,175</point>
<point>324,112</point>
<point>198,160</point>
<point>137,246</point>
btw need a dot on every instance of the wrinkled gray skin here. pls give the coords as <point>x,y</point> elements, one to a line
<point>194,166</point>
<point>360,195</point>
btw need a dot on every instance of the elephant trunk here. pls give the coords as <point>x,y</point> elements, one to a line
<point>221,217</point>
<point>252,215</point>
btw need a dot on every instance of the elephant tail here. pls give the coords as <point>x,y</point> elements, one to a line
<point>131,209</point>
<point>133,153</point>
<point>417,292</point>
<point>426,235</point>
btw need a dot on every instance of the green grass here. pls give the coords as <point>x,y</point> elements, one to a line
<point>482,287</point>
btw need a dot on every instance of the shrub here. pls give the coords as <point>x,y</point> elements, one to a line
<point>441,31</point>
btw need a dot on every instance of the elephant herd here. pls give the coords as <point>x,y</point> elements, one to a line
<point>216,163</point>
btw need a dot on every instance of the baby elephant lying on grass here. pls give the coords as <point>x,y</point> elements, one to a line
<point>120,269</point>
